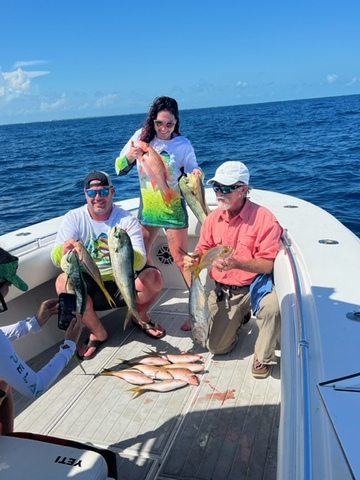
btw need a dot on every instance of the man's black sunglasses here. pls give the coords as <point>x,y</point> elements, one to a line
<point>225,189</point>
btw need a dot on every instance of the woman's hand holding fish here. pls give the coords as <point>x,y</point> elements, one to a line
<point>74,329</point>
<point>134,153</point>
<point>197,172</point>
<point>47,309</point>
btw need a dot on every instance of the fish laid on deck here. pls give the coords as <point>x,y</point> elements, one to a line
<point>122,262</point>
<point>184,374</point>
<point>192,189</point>
<point>164,386</point>
<point>71,265</point>
<point>92,269</point>
<point>147,360</point>
<point>178,357</point>
<point>199,311</point>
<point>154,371</point>
<point>132,376</point>
<point>221,251</point>
<point>193,367</point>
<point>156,169</point>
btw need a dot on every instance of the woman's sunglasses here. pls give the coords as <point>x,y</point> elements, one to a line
<point>225,189</point>
<point>158,123</point>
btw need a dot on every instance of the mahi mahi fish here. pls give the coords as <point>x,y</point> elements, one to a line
<point>192,189</point>
<point>122,262</point>
<point>157,171</point>
<point>221,251</point>
<point>92,269</point>
<point>198,311</point>
<point>71,265</point>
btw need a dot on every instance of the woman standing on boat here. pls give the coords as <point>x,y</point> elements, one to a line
<point>161,205</point>
<point>14,372</point>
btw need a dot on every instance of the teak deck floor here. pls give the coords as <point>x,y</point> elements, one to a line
<point>225,428</point>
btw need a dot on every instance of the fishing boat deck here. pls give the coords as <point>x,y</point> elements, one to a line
<point>225,428</point>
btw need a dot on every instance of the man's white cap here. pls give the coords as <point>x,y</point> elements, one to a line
<point>230,173</point>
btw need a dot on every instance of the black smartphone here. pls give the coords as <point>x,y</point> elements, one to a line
<point>67,305</point>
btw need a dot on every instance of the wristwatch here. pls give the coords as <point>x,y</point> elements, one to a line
<point>64,346</point>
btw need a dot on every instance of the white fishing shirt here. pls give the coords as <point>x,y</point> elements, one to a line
<point>79,225</point>
<point>16,372</point>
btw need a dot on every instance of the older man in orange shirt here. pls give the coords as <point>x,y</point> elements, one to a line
<point>244,280</point>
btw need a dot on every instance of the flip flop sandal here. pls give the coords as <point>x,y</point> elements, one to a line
<point>91,344</point>
<point>146,327</point>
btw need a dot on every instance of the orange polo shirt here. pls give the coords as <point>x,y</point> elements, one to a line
<point>253,233</point>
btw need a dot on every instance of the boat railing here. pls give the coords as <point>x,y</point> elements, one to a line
<point>34,244</point>
<point>303,353</point>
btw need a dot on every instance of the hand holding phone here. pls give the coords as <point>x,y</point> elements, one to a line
<point>67,305</point>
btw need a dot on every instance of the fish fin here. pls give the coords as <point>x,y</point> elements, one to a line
<point>132,313</point>
<point>170,194</point>
<point>137,391</point>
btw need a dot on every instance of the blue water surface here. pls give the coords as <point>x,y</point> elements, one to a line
<point>306,148</point>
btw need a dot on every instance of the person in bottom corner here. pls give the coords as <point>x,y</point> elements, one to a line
<point>14,372</point>
<point>91,224</point>
<point>244,280</point>
<point>161,131</point>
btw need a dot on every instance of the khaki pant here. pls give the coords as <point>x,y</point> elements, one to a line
<point>228,308</point>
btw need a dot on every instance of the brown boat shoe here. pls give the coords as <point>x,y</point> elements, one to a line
<point>260,370</point>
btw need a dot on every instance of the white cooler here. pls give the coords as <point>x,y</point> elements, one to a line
<point>31,459</point>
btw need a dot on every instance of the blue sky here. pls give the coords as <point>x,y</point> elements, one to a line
<point>77,58</point>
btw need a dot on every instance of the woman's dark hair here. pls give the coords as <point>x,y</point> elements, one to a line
<point>160,104</point>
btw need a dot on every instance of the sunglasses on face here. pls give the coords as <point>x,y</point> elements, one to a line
<point>103,192</point>
<point>3,306</point>
<point>158,123</point>
<point>225,189</point>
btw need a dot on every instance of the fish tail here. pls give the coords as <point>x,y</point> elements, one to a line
<point>127,318</point>
<point>169,194</point>
<point>137,391</point>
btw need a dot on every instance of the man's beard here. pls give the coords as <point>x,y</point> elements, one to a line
<point>223,203</point>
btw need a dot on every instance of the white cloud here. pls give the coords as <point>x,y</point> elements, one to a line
<point>29,63</point>
<point>331,78</point>
<point>51,107</point>
<point>106,100</point>
<point>242,84</point>
<point>352,82</point>
<point>17,83</point>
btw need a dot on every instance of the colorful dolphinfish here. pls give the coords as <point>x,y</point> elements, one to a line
<point>122,263</point>
<point>199,311</point>
<point>71,265</point>
<point>192,189</point>
<point>90,267</point>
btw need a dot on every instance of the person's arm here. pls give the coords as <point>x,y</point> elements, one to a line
<point>15,371</point>
<point>68,232</point>
<point>133,229</point>
<point>128,155</point>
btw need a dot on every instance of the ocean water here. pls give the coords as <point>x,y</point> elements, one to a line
<point>307,148</point>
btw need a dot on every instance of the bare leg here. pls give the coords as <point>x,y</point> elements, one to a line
<point>6,409</point>
<point>149,235</point>
<point>90,319</point>
<point>148,285</point>
<point>178,244</point>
